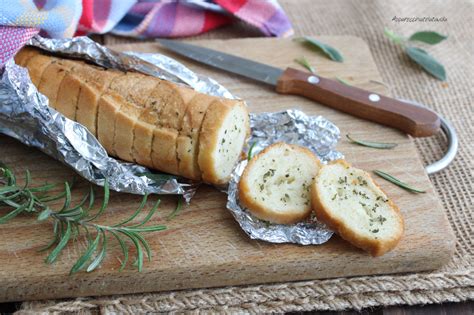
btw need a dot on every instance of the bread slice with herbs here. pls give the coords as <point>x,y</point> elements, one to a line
<point>275,185</point>
<point>224,130</point>
<point>349,201</point>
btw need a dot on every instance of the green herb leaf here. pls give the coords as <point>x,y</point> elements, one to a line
<point>397,182</point>
<point>176,210</point>
<point>331,52</point>
<point>82,261</point>
<point>305,63</point>
<point>44,214</point>
<point>397,39</point>
<point>64,239</point>
<point>372,144</point>
<point>428,37</point>
<point>100,257</point>
<point>250,154</point>
<point>124,250</point>
<point>427,62</point>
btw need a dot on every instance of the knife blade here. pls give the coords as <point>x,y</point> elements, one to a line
<point>414,120</point>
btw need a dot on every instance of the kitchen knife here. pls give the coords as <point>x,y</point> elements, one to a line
<point>414,120</point>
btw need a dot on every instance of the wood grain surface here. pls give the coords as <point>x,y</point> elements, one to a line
<point>203,246</point>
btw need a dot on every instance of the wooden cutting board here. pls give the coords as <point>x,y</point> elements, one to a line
<point>204,246</point>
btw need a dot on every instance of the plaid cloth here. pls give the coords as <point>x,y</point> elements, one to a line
<point>21,19</point>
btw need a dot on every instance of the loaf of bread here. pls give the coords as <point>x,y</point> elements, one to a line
<point>275,185</point>
<point>143,119</point>
<point>349,201</point>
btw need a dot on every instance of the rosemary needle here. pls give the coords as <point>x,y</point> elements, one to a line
<point>305,63</point>
<point>250,155</point>
<point>372,144</point>
<point>397,182</point>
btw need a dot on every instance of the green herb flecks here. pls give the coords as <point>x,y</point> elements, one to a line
<point>305,63</point>
<point>418,55</point>
<point>372,144</point>
<point>397,182</point>
<point>329,51</point>
<point>74,220</point>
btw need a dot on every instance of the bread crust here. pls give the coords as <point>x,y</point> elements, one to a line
<point>258,208</point>
<point>208,137</point>
<point>91,92</point>
<point>68,95</point>
<point>374,247</point>
<point>25,54</point>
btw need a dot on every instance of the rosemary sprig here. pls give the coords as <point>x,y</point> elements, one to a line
<point>372,144</point>
<point>305,63</point>
<point>397,182</point>
<point>70,220</point>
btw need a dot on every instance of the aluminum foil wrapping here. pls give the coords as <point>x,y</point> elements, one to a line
<point>26,116</point>
<point>291,126</point>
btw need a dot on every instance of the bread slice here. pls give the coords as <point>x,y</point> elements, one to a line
<point>49,85</point>
<point>127,119</point>
<point>68,91</point>
<point>36,66</point>
<point>96,82</point>
<point>108,107</point>
<point>188,140</point>
<point>158,143</point>
<point>349,201</point>
<point>221,140</point>
<point>275,185</point>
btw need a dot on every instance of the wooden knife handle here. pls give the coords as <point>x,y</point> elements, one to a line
<point>414,120</point>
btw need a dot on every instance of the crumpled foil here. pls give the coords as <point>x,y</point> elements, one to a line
<point>26,116</point>
<point>291,126</point>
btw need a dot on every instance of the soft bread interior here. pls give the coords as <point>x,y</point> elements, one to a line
<point>348,200</point>
<point>230,141</point>
<point>276,184</point>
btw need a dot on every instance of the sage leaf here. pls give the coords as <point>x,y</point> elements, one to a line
<point>304,62</point>
<point>331,52</point>
<point>372,144</point>
<point>428,37</point>
<point>427,62</point>
<point>397,182</point>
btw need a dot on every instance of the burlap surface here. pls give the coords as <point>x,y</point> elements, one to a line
<point>455,185</point>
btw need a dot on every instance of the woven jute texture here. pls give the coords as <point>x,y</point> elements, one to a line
<point>455,185</point>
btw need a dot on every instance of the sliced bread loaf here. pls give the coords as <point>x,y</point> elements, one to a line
<point>275,185</point>
<point>349,201</point>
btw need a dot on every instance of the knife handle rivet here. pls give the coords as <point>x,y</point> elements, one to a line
<point>313,79</point>
<point>374,97</point>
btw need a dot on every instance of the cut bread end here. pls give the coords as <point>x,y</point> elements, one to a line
<point>349,201</point>
<point>275,185</point>
<point>222,138</point>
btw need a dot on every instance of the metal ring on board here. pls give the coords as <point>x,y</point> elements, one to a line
<point>453,144</point>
